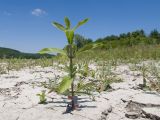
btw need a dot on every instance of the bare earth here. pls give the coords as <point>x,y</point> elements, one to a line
<point>18,100</point>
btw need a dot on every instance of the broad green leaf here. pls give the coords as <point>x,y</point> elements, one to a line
<point>67,22</point>
<point>52,50</point>
<point>70,36</point>
<point>59,26</point>
<point>80,23</point>
<point>65,84</point>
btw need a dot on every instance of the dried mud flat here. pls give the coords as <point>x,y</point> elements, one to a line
<point>125,101</point>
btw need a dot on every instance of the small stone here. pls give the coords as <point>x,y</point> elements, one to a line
<point>132,115</point>
<point>103,117</point>
<point>143,115</point>
<point>105,112</point>
<point>138,74</point>
<point>134,80</point>
<point>110,109</point>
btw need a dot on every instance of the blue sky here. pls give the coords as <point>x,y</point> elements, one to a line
<point>25,25</point>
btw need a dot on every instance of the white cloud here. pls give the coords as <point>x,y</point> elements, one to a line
<point>38,12</point>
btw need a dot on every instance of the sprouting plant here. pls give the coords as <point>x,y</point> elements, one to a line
<point>104,83</point>
<point>144,70</point>
<point>70,52</point>
<point>83,69</point>
<point>105,76</point>
<point>9,65</point>
<point>93,73</point>
<point>154,71</point>
<point>114,63</point>
<point>3,68</point>
<point>84,87</point>
<point>42,97</point>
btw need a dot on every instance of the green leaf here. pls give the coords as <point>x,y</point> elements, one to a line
<point>84,86</point>
<point>52,50</point>
<point>65,84</point>
<point>59,26</point>
<point>67,22</point>
<point>80,23</point>
<point>70,36</point>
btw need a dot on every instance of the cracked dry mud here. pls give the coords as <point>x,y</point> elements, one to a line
<point>18,100</point>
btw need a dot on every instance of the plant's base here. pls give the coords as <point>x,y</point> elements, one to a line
<point>70,107</point>
<point>42,103</point>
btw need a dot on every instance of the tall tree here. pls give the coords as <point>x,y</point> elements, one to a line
<point>81,41</point>
<point>155,36</point>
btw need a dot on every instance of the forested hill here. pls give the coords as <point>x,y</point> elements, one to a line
<point>11,53</point>
<point>138,37</point>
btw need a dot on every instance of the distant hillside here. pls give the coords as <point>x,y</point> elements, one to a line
<point>11,53</point>
<point>124,40</point>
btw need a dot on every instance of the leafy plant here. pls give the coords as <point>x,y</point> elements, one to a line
<point>155,82</point>
<point>144,70</point>
<point>83,69</point>
<point>93,73</point>
<point>42,97</point>
<point>70,52</point>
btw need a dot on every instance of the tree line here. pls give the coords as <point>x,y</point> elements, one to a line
<point>138,37</point>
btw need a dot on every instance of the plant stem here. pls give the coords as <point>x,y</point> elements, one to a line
<point>71,75</point>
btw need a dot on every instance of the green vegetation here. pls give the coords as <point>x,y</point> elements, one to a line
<point>42,97</point>
<point>80,52</point>
<point>7,65</point>
<point>125,40</point>
<point>81,41</point>
<point>70,52</point>
<point>135,44</point>
<point>130,46</point>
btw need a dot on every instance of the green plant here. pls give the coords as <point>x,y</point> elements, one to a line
<point>9,65</point>
<point>3,68</point>
<point>93,73</point>
<point>83,69</point>
<point>144,70</point>
<point>42,97</point>
<point>86,87</point>
<point>154,71</point>
<point>70,52</point>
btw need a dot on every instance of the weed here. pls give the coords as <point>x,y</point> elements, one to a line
<point>42,97</point>
<point>70,52</point>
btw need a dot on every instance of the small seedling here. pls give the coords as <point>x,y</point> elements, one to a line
<point>42,97</point>
<point>144,69</point>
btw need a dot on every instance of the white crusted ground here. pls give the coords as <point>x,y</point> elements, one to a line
<point>18,100</point>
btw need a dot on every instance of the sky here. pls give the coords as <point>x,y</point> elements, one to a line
<point>25,25</point>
